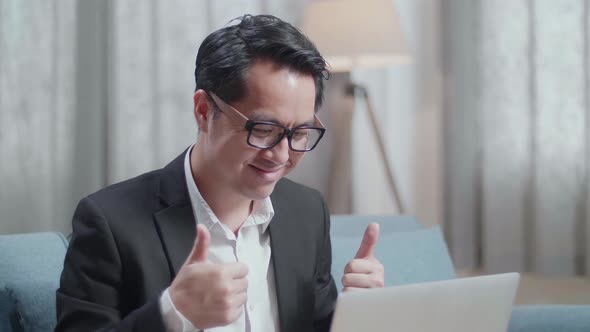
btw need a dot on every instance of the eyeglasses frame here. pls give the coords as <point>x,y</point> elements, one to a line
<point>249,124</point>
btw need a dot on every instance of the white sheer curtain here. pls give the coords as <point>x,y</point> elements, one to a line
<point>94,92</point>
<point>37,118</point>
<point>518,134</point>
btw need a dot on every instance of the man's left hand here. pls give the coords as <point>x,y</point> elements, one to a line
<point>364,271</point>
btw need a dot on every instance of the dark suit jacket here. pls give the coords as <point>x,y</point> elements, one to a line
<point>130,239</point>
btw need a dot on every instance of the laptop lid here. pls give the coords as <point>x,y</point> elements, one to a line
<point>481,304</point>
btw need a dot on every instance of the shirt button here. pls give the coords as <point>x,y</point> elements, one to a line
<point>251,307</point>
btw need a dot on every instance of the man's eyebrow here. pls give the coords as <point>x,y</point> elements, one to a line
<point>309,123</point>
<point>266,118</point>
<point>262,117</point>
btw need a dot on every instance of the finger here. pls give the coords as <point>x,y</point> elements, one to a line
<point>362,266</point>
<point>230,302</point>
<point>358,280</point>
<point>369,241</point>
<point>240,285</point>
<point>235,314</point>
<point>240,299</point>
<point>352,289</point>
<point>235,270</point>
<point>200,250</point>
<point>226,317</point>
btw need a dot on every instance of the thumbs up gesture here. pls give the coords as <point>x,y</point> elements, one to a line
<point>207,294</point>
<point>364,271</point>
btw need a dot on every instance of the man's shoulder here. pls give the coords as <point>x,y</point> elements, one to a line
<point>139,189</point>
<point>145,186</point>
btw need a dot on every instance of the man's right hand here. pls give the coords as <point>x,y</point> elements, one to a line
<point>209,294</point>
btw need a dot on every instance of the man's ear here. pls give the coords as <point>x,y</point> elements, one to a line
<point>202,110</point>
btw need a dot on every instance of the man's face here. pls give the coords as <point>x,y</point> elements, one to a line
<point>274,94</point>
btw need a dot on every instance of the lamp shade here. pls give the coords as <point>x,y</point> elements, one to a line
<point>352,34</point>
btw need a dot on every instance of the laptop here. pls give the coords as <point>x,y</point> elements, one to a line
<point>481,304</point>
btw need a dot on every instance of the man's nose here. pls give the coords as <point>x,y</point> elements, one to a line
<point>280,152</point>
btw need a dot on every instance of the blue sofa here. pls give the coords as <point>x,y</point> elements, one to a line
<point>30,265</point>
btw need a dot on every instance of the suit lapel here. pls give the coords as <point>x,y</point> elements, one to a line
<point>176,225</point>
<point>282,246</point>
<point>285,280</point>
<point>175,221</point>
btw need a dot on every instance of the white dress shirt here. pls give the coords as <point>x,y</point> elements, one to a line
<point>251,247</point>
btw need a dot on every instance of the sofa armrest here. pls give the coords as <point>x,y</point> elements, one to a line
<point>550,318</point>
<point>31,265</point>
<point>8,313</point>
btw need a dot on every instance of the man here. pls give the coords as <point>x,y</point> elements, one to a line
<point>217,240</point>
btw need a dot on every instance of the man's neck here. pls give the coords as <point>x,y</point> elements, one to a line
<point>230,208</point>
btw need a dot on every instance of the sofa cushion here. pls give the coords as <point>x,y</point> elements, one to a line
<point>408,256</point>
<point>31,265</point>
<point>550,318</point>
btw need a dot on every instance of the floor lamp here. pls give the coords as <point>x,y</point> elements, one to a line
<point>358,34</point>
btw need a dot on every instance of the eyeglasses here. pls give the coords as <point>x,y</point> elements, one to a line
<point>265,135</point>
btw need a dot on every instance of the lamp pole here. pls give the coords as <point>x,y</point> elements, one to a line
<point>353,89</point>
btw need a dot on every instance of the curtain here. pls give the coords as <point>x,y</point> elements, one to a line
<point>95,92</point>
<point>518,135</point>
<point>37,118</point>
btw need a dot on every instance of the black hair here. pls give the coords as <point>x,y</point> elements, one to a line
<point>225,55</point>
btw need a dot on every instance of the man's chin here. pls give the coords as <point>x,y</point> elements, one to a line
<point>261,191</point>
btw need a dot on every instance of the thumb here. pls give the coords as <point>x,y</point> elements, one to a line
<point>369,241</point>
<point>201,247</point>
